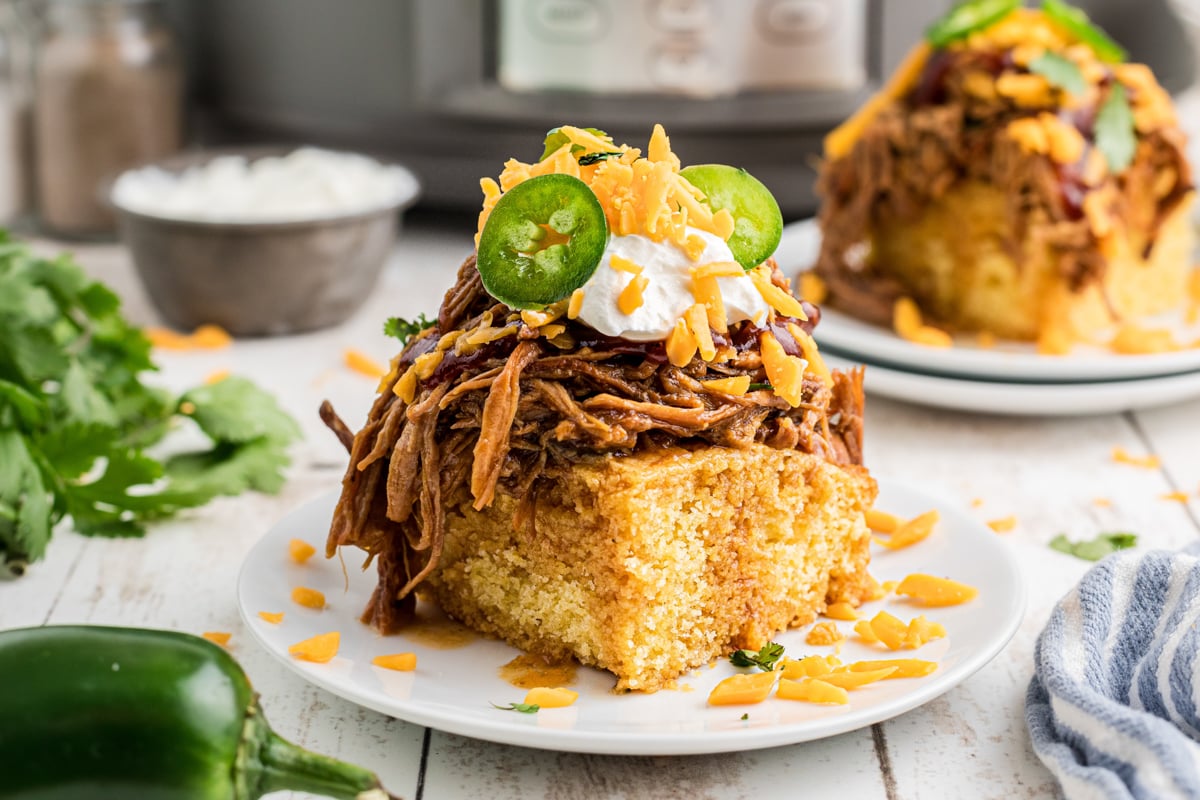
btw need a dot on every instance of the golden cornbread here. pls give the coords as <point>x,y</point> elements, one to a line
<point>655,563</point>
<point>955,260</point>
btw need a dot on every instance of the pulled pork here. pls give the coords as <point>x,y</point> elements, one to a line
<point>942,132</point>
<point>508,414</point>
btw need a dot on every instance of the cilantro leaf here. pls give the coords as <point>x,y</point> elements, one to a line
<point>523,708</point>
<point>235,410</point>
<point>555,139</point>
<point>757,387</point>
<point>402,329</point>
<point>1094,549</point>
<point>1115,136</point>
<point>764,658</point>
<point>1060,71</point>
<point>588,159</point>
<point>76,417</point>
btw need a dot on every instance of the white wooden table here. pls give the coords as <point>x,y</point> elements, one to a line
<point>971,742</point>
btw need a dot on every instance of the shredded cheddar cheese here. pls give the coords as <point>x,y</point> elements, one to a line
<point>907,322</point>
<point>743,689</point>
<point>206,337</point>
<point>808,667</point>
<point>551,697</point>
<point>905,667</point>
<point>575,305</point>
<point>681,344</point>
<point>842,611</point>
<point>813,288</point>
<point>886,629</point>
<point>319,649</point>
<point>309,598</point>
<point>1177,497</point>
<point>363,364</point>
<point>693,247</point>
<point>909,533</point>
<point>1121,456</point>
<point>696,318</point>
<point>1003,525</point>
<point>300,551</point>
<point>934,591</point>
<point>218,637</point>
<point>737,385</point>
<point>216,376</point>
<point>1134,340</point>
<point>400,662</point>
<point>786,373</point>
<point>849,679</point>
<point>812,690</point>
<point>631,298</point>
<point>273,617</point>
<point>621,264</point>
<point>841,140</point>
<point>777,298</point>
<point>881,521</point>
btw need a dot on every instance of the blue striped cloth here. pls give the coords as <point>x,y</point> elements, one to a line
<point>1112,709</point>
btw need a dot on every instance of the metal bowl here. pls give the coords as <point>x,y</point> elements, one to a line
<point>259,278</point>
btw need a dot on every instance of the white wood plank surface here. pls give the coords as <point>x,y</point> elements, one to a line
<point>971,742</point>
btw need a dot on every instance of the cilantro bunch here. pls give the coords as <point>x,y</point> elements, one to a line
<point>76,420</point>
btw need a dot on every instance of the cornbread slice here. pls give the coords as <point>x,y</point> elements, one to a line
<point>656,563</point>
<point>957,260</point>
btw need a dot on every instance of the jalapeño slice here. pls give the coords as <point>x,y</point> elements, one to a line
<point>542,241</point>
<point>966,18</point>
<point>757,222</point>
<point>1075,21</point>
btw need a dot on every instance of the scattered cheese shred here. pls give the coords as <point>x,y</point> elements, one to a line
<point>1134,340</point>
<point>808,667</point>
<point>1177,497</point>
<point>218,637</point>
<point>842,139</point>
<point>934,591</point>
<point>905,667</point>
<point>309,598</point>
<point>319,649</point>
<point>406,387</point>
<point>985,340</point>
<point>737,385</point>
<point>631,297</point>
<point>742,689</point>
<point>1103,502</point>
<point>842,611</point>
<point>823,634</point>
<point>300,551</point>
<point>363,364</point>
<point>717,269</point>
<point>882,522</point>
<point>909,533</point>
<point>1004,524</point>
<point>400,662</point>
<point>812,690</point>
<point>273,617</point>
<point>216,377</point>
<point>206,337</point>
<point>808,350</point>
<point>707,291</point>
<point>847,678</point>
<point>894,634</point>
<point>1122,456</point>
<point>906,321</point>
<point>693,247</point>
<point>551,697</point>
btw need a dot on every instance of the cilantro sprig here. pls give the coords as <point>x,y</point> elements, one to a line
<point>1114,130</point>
<point>1097,548</point>
<point>1060,71</point>
<point>402,329</point>
<point>77,421</point>
<point>765,658</point>
<point>520,708</point>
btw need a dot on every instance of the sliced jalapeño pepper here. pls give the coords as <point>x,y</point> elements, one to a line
<point>1076,22</point>
<point>542,241</point>
<point>966,18</point>
<point>757,221</point>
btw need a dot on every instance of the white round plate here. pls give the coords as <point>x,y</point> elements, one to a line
<point>1008,361</point>
<point>453,689</point>
<point>1025,399</point>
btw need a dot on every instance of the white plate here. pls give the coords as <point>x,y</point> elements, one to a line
<point>452,690</point>
<point>1025,399</point>
<point>1009,361</point>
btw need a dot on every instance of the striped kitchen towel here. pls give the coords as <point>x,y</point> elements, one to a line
<point>1112,709</point>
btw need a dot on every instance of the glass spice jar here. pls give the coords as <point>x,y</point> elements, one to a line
<point>108,84</point>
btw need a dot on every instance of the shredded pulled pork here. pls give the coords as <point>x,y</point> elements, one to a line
<point>947,129</point>
<point>504,415</point>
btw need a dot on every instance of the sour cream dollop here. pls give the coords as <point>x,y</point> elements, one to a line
<point>669,292</point>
